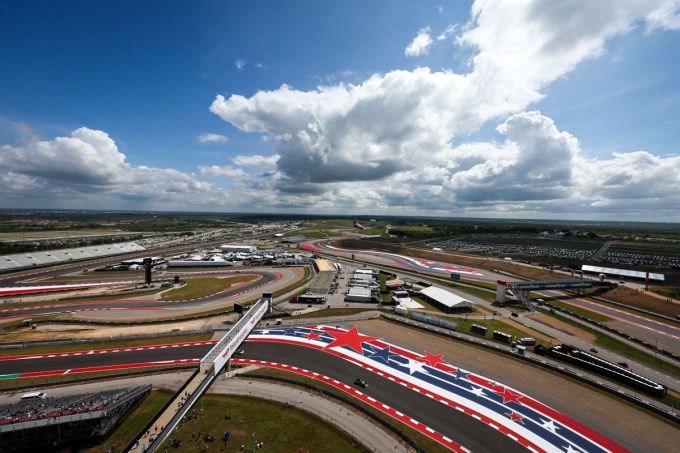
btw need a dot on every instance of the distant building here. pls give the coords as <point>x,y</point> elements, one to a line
<point>232,248</point>
<point>445,300</point>
<point>359,294</point>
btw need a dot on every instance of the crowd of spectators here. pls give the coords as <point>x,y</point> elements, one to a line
<point>51,408</point>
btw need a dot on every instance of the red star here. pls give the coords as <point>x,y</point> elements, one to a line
<point>432,359</point>
<point>515,417</point>
<point>351,338</point>
<point>508,395</point>
<point>313,335</point>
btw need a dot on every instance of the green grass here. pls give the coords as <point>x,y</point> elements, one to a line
<point>491,324</point>
<point>328,312</point>
<point>578,310</point>
<point>136,420</point>
<point>105,344</point>
<point>622,348</point>
<point>202,287</point>
<point>255,420</point>
<point>477,292</point>
<point>423,441</point>
<point>672,292</point>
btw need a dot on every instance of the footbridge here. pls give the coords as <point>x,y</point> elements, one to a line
<point>210,366</point>
<point>522,290</point>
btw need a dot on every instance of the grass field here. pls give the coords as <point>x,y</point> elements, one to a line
<point>477,292</point>
<point>281,428</point>
<point>622,348</point>
<point>202,287</point>
<point>581,311</point>
<point>105,344</point>
<point>328,312</point>
<point>135,421</point>
<point>424,442</point>
<point>491,324</point>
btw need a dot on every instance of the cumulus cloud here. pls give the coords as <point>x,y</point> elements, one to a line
<point>398,127</point>
<point>222,170</point>
<point>240,64</point>
<point>257,160</point>
<point>85,163</point>
<point>213,138</point>
<point>420,44</point>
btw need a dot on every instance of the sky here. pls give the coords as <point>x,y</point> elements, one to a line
<point>565,109</point>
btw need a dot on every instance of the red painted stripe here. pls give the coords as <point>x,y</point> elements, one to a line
<point>109,350</point>
<point>108,368</point>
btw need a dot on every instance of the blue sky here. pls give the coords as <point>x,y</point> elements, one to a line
<point>145,74</point>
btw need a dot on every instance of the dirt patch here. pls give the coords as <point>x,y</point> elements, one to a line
<point>538,335</point>
<point>640,299</point>
<point>564,327</point>
<point>626,425</point>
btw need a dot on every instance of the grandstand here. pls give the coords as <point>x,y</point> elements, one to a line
<point>67,420</point>
<point>33,259</point>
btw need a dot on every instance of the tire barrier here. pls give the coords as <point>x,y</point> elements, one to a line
<point>617,332</point>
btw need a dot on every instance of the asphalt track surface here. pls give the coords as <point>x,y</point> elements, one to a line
<point>662,333</point>
<point>87,359</point>
<point>264,278</point>
<point>462,428</point>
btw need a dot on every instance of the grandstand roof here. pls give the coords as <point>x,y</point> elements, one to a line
<point>23,260</point>
<point>446,298</point>
<point>623,272</point>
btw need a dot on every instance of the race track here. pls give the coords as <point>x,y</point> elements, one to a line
<point>442,399</point>
<point>265,279</point>
<point>662,333</point>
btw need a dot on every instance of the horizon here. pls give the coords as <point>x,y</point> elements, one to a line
<point>471,110</point>
<point>336,215</point>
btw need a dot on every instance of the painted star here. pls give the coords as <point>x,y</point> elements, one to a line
<point>515,417</point>
<point>414,365</point>
<point>460,374</point>
<point>432,359</point>
<point>263,332</point>
<point>569,449</point>
<point>508,395</point>
<point>549,425</point>
<point>380,354</point>
<point>478,391</point>
<point>290,331</point>
<point>351,338</point>
<point>313,336</point>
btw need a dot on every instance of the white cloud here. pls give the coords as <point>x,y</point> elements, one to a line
<point>257,160</point>
<point>260,66</point>
<point>398,126</point>
<point>420,44</point>
<point>224,170</point>
<point>87,166</point>
<point>240,64</point>
<point>213,138</point>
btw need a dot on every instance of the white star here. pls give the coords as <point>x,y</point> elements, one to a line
<point>263,332</point>
<point>568,449</point>
<point>414,365</point>
<point>549,425</point>
<point>478,391</point>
